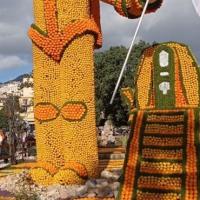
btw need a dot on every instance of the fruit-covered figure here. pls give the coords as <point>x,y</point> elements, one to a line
<point>163,151</point>
<point>64,36</point>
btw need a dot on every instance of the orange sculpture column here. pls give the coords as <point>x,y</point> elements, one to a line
<point>64,35</point>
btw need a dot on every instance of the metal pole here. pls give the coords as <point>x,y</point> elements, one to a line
<point>129,52</point>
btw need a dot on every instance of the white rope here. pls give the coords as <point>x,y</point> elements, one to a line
<point>196,4</point>
<point>129,52</point>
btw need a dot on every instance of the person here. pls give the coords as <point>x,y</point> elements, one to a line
<point>2,136</point>
<point>4,147</point>
<point>30,142</point>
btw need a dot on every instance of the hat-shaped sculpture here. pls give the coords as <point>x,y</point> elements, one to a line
<point>167,78</point>
<point>162,157</point>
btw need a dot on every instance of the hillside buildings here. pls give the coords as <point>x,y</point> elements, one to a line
<point>24,91</point>
<point>10,88</point>
<point>26,101</point>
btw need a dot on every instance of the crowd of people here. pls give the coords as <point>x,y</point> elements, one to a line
<point>15,146</point>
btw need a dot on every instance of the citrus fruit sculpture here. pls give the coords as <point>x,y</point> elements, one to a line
<point>163,153</point>
<point>64,35</point>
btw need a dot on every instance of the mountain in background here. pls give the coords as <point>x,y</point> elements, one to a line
<point>19,78</point>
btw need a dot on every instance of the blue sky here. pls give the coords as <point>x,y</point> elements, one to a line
<point>174,21</point>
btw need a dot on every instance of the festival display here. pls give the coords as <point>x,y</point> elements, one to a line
<point>163,158</point>
<point>64,35</point>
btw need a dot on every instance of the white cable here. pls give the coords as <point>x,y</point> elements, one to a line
<point>129,52</point>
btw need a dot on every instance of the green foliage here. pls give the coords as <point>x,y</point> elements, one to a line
<point>23,195</point>
<point>11,106</point>
<point>122,140</point>
<point>10,111</point>
<point>26,85</point>
<point>26,191</point>
<point>3,120</point>
<point>108,65</point>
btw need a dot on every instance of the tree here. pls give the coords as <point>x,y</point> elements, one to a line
<point>26,85</point>
<point>11,111</point>
<point>3,120</point>
<point>108,65</point>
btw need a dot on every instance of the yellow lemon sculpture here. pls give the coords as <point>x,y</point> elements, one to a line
<point>64,35</point>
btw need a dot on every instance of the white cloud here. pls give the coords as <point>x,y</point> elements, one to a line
<point>15,19</point>
<point>174,21</point>
<point>7,30</point>
<point>10,62</point>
